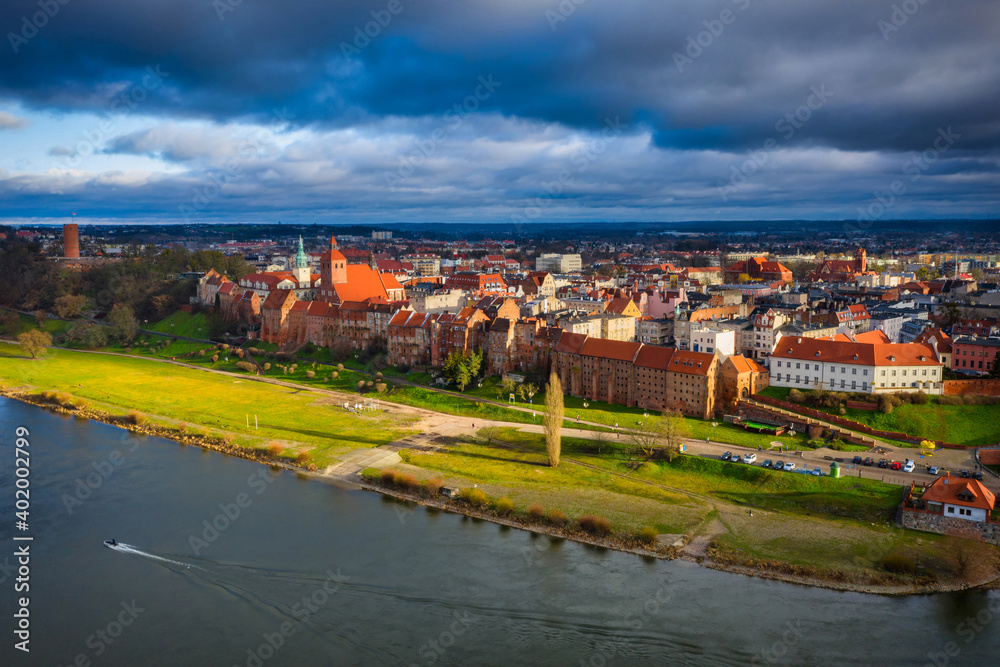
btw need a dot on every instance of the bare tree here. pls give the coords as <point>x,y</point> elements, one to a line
<point>661,435</point>
<point>489,434</point>
<point>553,419</point>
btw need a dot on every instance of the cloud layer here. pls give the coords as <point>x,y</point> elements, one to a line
<point>578,109</point>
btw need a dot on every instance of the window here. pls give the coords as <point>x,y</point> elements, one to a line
<point>854,371</point>
<point>816,367</point>
<point>951,510</point>
<point>798,365</point>
<point>883,373</point>
<point>865,373</point>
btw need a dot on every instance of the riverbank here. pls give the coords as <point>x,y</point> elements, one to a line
<point>715,558</point>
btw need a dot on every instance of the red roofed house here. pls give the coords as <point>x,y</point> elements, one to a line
<point>740,378</point>
<point>841,270</point>
<point>340,281</point>
<point>476,282</point>
<point>759,268</point>
<point>822,363</point>
<point>409,338</point>
<point>958,498</point>
<point>274,316</point>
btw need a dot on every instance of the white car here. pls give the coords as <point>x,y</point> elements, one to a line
<point>789,467</point>
<point>910,465</point>
<point>749,458</point>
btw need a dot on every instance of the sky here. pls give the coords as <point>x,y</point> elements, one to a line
<point>498,110</point>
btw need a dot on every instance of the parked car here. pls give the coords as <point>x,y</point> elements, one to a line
<point>725,457</point>
<point>749,458</point>
<point>857,460</point>
<point>909,466</point>
<point>869,461</point>
<point>979,476</point>
<point>817,472</point>
<point>883,464</point>
<point>964,473</point>
<point>766,463</point>
<point>895,465</point>
<point>779,465</point>
<point>933,470</point>
<point>788,467</point>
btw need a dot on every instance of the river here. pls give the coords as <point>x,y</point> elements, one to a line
<point>226,562</point>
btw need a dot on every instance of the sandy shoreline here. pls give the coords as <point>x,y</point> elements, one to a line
<point>617,543</point>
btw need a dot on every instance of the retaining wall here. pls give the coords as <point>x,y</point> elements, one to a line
<point>936,523</point>
<point>976,387</point>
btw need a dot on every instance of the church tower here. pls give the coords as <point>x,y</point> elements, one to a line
<point>861,260</point>
<point>301,271</point>
<point>333,272</point>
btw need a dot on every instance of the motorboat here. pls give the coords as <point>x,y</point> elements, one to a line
<point>111,543</point>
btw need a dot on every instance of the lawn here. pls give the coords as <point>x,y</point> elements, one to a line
<point>973,425</point>
<point>217,402</point>
<point>190,325</point>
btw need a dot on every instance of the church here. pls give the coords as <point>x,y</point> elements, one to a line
<point>340,281</point>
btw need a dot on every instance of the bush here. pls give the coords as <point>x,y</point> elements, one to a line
<point>796,396</point>
<point>405,481</point>
<point>951,400</point>
<point>215,358</point>
<point>201,353</point>
<point>310,374</point>
<point>388,477</point>
<point>274,449</point>
<point>335,375</point>
<point>648,535</point>
<point>137,418</point>
<point>432,487</point>
<point>267,366</point>
<point>504,506</point>
<point>303,457</point>
<point>816,443</point>
<point>246,366</point>
<point>898,564</point>
<point>597,525</point>
<point>340,368</point>
<point>536,511</point>
<point>885,404</point>
<point>475,497</point>
<point>842,411</point>
<point>557,518</point>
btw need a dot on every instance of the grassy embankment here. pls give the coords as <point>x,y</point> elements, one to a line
<point>173,395</point>
<point>973,425</point>
<point>830,524</point>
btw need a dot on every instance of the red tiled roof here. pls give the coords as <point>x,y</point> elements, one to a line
<point>570,342</point>
<point>605,348</point>
<point>692,363</point>
<point>652,356</point>
<point>865,354</point>
<point>947,489</point>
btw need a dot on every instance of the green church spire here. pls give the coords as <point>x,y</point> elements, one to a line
<point>300,259</point>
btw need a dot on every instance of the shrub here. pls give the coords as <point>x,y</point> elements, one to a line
<point>378,376</point>
<point>340,368</point>
<point>267,366</point>
<point>504,506</point>
<point>842,411</point>
<point>274,449</point>
<point>215,358</point>
<point>795,396</point>
<point>951,400</point>
<point>201,353</point>
<point>137,418</point>
<point>239,352</point>
<point>78,403</point>
<point>310,374</point>
<point>405,481</point>
<point>898,564</point>
<point>432,487</point>
<point>597,525</point>
<point>246,366</point>
<point>885,404</point>
<point>388,477</point>
<point>252,350</point>
<point>648,535</point>
<point>536,511</point>
<point>335,375</point>
<point>557,518</point>
<point>128,350</point>
<point>224,346</point>
<point>476,497</point>
<point>816,443</point>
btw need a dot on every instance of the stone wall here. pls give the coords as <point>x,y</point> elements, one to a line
<point>936,523</point>
<point>989,457</point>
<point>986,387</point>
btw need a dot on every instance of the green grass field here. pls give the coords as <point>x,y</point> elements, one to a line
<point>191,325</point>
<point>973,425</point>
<point>216,402</point>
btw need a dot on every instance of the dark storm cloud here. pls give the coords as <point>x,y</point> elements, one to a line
<point>701,75</point>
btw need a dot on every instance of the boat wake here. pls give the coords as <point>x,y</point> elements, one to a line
<point>135,551</point>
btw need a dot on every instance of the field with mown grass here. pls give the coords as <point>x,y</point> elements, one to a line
<point>973,425</point>
<point>180,323</point>
<point>173,394</point>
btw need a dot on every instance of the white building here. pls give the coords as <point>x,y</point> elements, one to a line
<point>556,263</point>
<point>811,363</point>
<point>713,340</point>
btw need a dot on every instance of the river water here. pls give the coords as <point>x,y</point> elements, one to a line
<point>226,562</point>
